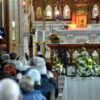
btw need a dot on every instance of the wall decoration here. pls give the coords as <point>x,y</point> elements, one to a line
<point>66,13</point>
<point>48,12</point>
<point>38,12</point>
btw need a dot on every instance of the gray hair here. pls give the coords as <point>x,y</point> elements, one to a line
<point>9,90</point>
<point>26,83</point>
<point>5,57</point>
<point>39,64</point>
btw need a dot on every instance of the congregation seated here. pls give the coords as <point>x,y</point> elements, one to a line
<point>15,69</point>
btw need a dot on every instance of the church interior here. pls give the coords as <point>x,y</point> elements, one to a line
<point>51,45</point>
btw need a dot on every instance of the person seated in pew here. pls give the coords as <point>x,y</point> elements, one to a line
<point>9,90</point>
<point>34,73</point>
<point>26,84</point>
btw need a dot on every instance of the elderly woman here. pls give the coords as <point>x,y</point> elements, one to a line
<point>9,90</point>
<point>37,80</point>
<point>26,84</point>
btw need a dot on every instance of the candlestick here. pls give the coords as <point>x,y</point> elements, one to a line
<point>36,35</point>
<point>43,36</point>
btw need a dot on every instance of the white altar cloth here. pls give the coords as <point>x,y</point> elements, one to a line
<point>81,88</point>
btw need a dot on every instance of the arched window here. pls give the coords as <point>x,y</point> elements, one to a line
<point>48,12</point>
<point>57,12</point>
<point>66,13</point>
<point>95,11</point>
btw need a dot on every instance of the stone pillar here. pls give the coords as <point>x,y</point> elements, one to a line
<point>15,14</point>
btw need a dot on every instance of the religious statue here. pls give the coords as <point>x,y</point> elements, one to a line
<point>28,16</point>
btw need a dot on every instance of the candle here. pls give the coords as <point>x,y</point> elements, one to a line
<point>43,36</point>
<point>36,35</point>
<point>13,24</point>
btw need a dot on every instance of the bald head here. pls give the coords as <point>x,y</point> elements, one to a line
<point>9,90</point>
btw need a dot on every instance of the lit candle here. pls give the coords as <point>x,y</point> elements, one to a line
<point>43,36</point>
<point>13,24</point>
<point>36,35</point>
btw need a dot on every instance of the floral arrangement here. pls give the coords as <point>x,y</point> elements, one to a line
<point>53,36</point>
<point>86,66</point>
<point>58,66</point>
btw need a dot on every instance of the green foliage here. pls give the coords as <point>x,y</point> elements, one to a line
<point>86,66</point>
<point>34,26</point>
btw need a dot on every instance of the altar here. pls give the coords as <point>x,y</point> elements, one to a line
<point>90,35</point>
<point>78,88</point>
<point>77,36</point>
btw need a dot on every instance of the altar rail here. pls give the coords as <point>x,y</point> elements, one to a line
<point>75,47</point>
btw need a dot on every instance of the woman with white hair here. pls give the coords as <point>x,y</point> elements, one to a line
<point>26,84</point>
<point>9,90</point>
